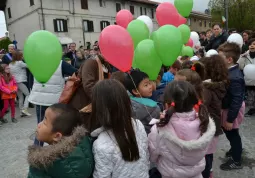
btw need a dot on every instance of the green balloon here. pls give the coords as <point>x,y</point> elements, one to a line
<point>185,31</point>
<point>184,7</point>
<point>168,44</point>
<point>138,31</point>
<point>42,53</point>
<point>146,59</point>
<point>153,34</point>
<point>187,51</point>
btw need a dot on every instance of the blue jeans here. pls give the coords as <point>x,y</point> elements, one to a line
<point>40,112</point>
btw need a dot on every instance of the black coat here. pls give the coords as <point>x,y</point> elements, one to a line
<point>215,42</point>
<point>70,56</point>
<point>235,93</point>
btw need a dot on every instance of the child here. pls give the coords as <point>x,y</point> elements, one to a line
<point>246,59</point>
<point>169,75</point>
<point>18,70</point>
<point>8,87</point>
<point>157,95</point>
<point>178,143</point>
<point>69,153</point>
<point>233,105</point>
<point>119,76</point>
<point>139,85</point>
<point>121,147</point>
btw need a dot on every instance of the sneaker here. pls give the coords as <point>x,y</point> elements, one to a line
<point>231,165</point>
<point>4,121</point>
<point>14,120</point>
<point>250,113</point>
<point>24,113</point>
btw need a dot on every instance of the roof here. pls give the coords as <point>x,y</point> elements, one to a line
<point>2,4</point>
<point>146,2</point>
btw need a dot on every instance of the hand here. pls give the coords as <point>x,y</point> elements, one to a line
<point>228,126</point>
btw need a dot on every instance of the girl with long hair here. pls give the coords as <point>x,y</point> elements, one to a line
<point>8,87</point>
<point>121,147</point>
<point>179,141</point>
<point>18,70</point>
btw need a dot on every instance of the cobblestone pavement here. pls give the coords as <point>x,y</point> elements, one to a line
<point>14,139</point>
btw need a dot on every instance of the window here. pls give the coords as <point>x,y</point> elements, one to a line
<point>200,23</point>
<point>132,9</point>
<point>118,7</point>
<point>145,11</point>
<point>60,25</point>
<point>102,3</point>
<point>88,26</point>
<point>32,2</point>
<point>141,11</point>
<point>188,21</point>
<point>84,4</point>
<point>104,24</point>
<point>9,13</point>
<point>152,13</point>
<point>195,20</point>
<point>205,23</point>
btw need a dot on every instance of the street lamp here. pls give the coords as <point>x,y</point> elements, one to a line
<point>226,13</point>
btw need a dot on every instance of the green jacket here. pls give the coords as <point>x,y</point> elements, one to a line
<point>70,158</point>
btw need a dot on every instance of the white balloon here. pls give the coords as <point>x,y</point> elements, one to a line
<point>236,38</point>
<point>147,20</point>
<point>249,71</point>
<point>195,37</point>
<point>211,53</point>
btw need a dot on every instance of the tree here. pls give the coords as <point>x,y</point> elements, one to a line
<point>4,43</point>
<point>241,14</point>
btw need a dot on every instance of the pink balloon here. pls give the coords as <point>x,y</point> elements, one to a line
<point>123,18</point>
<point>116,45</point>
<point>167,14</point>
<point>190,43</point>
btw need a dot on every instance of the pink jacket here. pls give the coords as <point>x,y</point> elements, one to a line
<point>8,88</point>
<point>178,149</point>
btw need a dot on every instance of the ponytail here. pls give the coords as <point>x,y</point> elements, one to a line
<point>204,118</point>
<point>169,113</point>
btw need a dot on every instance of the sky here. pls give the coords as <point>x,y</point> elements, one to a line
<point>2,24</point>
<point>199,5</point>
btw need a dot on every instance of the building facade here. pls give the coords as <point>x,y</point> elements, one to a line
<point>79,21</point>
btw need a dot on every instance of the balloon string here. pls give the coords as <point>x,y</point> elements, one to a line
<point>140,96</point>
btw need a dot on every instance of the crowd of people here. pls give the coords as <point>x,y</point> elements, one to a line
<point>121,125</point>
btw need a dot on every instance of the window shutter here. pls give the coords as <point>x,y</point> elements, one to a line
<point>108,23</point>
<point>84,4</point>
<point>101,25</point>
<point>141,11</point>
<point>132,9</point>
<point>65,26</point>
<point>90,26</point>
<point>55,25</point>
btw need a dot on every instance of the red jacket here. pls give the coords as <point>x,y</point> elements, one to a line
<point>8,90</point>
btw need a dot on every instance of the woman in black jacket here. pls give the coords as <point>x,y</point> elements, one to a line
<point>219,37</point>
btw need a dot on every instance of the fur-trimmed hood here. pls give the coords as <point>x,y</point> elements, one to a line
<point>43,157</point>
<point>192,145</point>
<point>219,88</point>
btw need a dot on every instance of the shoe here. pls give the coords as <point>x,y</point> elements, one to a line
<point>24,113</point>
<point>4,121</point>
<point>231,165</point>
<point>31,105</point>
<point>228,154</point>
<point>250,113</point>
<point>14,120</point>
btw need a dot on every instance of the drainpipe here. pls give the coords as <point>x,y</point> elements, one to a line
<point>43,20</point>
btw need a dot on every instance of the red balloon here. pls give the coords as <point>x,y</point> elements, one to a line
<point>190,43</point>
<point>167,14</point>
<point>182,20</point>
<point>123,18</point>
<point>116,45</point>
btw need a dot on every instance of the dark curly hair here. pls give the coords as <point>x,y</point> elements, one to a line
<point>215,69</point>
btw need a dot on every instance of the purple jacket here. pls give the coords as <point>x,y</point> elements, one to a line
<point>178,149</point>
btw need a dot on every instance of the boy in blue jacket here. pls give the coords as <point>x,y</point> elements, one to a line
<point>233,103</point>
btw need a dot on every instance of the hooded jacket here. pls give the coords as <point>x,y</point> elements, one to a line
<point>70,158</point>
<point>214,92</point>
<point>176,157</point>
<point>145,110</point>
